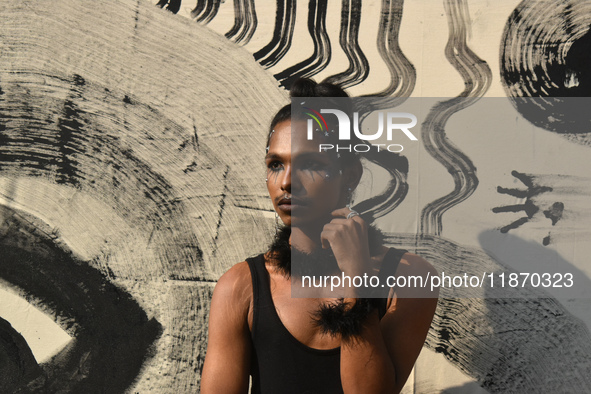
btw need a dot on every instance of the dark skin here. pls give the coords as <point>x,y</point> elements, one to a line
<point>382,357</point>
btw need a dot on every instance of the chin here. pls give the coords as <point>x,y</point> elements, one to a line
<point>308,222</point>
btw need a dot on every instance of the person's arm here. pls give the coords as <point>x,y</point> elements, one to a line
<point>382,357</point>
<point>227,361</point>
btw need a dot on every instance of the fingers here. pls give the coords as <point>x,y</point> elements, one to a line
<point>342,224</point>
<point>325,238</point>
<point>346,213</point>
<point>341,212</point>
<point>351,230</point>
<point>354,221</point>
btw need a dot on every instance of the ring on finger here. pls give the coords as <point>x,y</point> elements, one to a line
<point>352,213</point>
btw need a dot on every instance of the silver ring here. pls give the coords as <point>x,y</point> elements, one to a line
<point>352,213</point>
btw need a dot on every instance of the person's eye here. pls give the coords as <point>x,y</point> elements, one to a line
<point>313,165</point>
<point>274,166</point>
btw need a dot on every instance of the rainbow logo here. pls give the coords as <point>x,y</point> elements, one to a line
<point>315,115</point>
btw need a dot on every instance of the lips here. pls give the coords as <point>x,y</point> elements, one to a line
<point>285,201</point>
<point>287,204</point>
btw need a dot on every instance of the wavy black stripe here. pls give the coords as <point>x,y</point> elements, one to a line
<point>274,51</point>
<point>245,22</point>
<point>403,75</point>
<point>395,191</point>
<point>477,78</point>
<point>321,56</point>
<point>205,10</point>
<point>358,69</point>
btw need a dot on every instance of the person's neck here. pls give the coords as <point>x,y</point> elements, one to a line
<point>307,242</point>
<point>304,239</point>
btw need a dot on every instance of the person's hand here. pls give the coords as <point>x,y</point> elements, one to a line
<point>348,240</point>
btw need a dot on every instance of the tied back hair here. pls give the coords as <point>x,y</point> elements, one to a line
<point>395,164</point>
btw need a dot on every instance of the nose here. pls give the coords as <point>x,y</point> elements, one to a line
<point>286,179</point>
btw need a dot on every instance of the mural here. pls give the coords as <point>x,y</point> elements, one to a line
<point>131,177</point>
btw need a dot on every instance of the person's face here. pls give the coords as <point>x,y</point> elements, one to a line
<point>305,185</point>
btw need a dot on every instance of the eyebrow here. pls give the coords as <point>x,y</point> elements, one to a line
<point>272,156</point>
<point>312,154</point>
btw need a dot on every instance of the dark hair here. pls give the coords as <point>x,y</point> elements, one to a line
<point>395,164</point>
<point>304,87</point>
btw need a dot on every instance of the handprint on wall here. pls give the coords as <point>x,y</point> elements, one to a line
<point>532,204</point>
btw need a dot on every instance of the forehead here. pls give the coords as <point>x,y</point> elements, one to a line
<point>291,138</point>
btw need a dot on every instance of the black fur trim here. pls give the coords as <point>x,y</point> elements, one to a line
<point>319,261</point>
<point>281,250</point>
<point>339,318</point>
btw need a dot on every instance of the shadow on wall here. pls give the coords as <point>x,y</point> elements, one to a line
<point>468,388</point>
<point>528,342</point>
<point>527,256</point>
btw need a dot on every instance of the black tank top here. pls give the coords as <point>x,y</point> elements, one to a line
<point>282,364</point>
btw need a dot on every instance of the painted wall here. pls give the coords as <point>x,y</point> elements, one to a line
<point>131,177</point>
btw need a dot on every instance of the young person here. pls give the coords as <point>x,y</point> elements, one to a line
<point>325,344</point>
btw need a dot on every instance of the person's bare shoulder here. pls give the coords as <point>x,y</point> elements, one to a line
<point>417,273</point>
<point>413,264</point>
<point>410,312</point>
<point>227,361</point>
<point>235,287</point>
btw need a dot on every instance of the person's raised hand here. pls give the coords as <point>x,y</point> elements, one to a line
<point>346,235</point>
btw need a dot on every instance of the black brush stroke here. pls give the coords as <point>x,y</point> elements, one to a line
<point>395,191</point>
<point>113,336</point>
<point>545,61</point>
<point>171,5</point>
<point>245,22</point>
<point>3,137</point>
<point>18,365</point>
<point>222,206</point>
<point>403,75</point>
<point>322,50</point>
<point>206,10</point>
<point>542,42</point>
<point>41,148</point>
<point>199,7</point>
<point>402,72</point>
<point>276,49</point>
<point>70,123</point>
<point>477,78</point>
<point>358,69</point>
